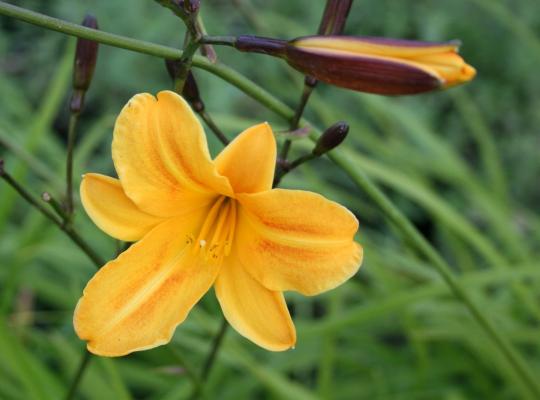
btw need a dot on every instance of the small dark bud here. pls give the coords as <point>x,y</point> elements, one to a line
<point>331,138</point>
<point>334,17</point>
<point>84,65</point>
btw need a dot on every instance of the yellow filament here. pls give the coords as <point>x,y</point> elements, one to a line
<point>217,238</point>
<point>217,233</point>
<point>232,227</point>
<point>208,223</point>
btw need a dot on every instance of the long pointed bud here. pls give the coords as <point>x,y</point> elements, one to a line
<point>84,65</point>
<point>373,65</point>
<point>378,65</point>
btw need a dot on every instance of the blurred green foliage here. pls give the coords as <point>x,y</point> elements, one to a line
<point>463,164</point>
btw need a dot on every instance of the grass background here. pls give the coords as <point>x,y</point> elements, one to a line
<point>463,164</point>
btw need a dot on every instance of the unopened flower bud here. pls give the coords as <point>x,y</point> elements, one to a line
<point>373,65</point>
<point>331,138</point>
<point>84,65</point>
<point>378,65</point>
<point>334,17</point>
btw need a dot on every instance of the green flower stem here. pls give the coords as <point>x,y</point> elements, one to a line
<point>73,119</point>
<point>304,98</point>
<point>219,40</point>
<point>78,376</point>
<point>73,235</point>
<point>361,180</point>
<point>213,127</point>
<point>285,168</point>
<point>197,385</point>
<point>55,204</point>
<point>218,339</point>
<point>77,30</point>
<point>211,358</point>
<point>185,64</point>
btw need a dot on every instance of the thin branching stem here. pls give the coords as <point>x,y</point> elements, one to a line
<point>191,374</point>
<point>295,121</point>
<point>78,376</point>
<point>211,357</point>
<point>72,234</point>
<point>73,119</point>
<point>213,127</point>
<point>219,40</point>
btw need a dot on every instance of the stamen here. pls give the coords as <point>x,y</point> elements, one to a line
<point>220,224</point>
<point>232,226</point>
<point>209,222</point>
<point>217,232</point>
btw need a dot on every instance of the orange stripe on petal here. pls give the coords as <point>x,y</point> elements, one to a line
<point>161,155</point>
<point>295,240</point>
<point>136,301</point>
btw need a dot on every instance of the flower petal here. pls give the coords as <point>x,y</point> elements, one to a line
<point>296,240</point>
<point>136,301</point>
<point>259,314</point>
<point>112,211</point>
<point>249,160</point>
<point>161,155</point>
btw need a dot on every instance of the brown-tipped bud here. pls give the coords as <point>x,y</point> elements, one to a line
<point>334,17</point>
<point>84,65</point>
<point>331,138</point>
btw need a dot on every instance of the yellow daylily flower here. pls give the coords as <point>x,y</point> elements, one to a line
<point>199,222</point>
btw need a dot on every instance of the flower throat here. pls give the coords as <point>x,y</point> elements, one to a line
<point>217,232</point>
